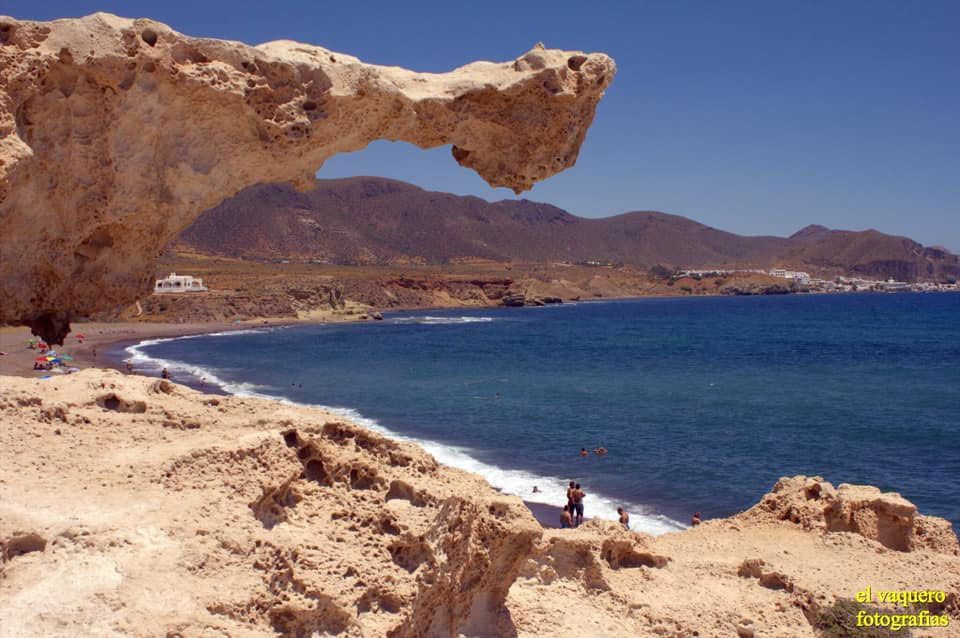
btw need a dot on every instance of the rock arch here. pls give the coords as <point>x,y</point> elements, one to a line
<point>116,133</point>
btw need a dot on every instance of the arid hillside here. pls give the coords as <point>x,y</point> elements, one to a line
<point>370,220</point>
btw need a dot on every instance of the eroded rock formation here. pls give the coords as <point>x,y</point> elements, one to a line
<point>174,513</point>
<point>885,517</point>
<point>115,134</point>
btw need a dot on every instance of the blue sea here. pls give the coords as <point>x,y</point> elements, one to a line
<point>701,402</point>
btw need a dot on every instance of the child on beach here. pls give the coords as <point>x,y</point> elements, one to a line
<point>624,518</point>
<point>566,520</point>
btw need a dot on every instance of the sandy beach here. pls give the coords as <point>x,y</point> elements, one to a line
<point>98,337</point>
<point>101,337</point>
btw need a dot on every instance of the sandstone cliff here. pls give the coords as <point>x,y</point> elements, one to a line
<point>115,134</point>
<point>132,506</point>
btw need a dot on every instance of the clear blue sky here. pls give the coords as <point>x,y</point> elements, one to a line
<point>754,117</point>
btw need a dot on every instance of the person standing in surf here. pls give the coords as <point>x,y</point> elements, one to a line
<point>578,495</point>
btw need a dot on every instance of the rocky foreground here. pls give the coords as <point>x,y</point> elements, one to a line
<point>132,506</point>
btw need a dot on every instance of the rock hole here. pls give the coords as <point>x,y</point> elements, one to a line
<point>119,404</point>
<point>401,490</point>
<point>20,545</point>
<point>65,56</point>
<point>498,510</point>
<point>149,36</point>
<point>459,154</point>
<point>6,33</point>
<point>389,526</point>
<point>375,599</point>
<point>307,451</point>
<point>309,105</point>
<point>622,555</point>
<point>127,81</point>
<point>185,54</point>
<point>410,554</point>
<point>576,61</point>
<point>325,618</point>
<point>271,507</point>
<point>315,471</point>
<point>291,438</point>
<point>360,481</point>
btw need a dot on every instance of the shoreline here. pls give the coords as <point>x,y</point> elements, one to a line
<point>105,345</point>
<point>16,360</point>
<point>111,340</point>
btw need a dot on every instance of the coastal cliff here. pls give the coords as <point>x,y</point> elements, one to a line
<point>115,134</point>
<point>134,506</point>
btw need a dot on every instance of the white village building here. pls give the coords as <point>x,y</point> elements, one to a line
<point>179,283</point>
<point>796,275</point>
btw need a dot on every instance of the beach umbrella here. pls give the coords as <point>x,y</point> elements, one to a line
<point>40,358</point>
<point>49,358</point>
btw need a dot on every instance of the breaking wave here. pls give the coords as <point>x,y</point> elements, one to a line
<point>552,489</point>
<point>427,320</point>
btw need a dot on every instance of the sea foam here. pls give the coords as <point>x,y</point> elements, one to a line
<point>551,489</point>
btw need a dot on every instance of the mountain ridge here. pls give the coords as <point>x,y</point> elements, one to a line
<point>372,220</point>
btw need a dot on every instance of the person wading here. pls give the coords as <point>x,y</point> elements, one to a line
<point>578,495</point>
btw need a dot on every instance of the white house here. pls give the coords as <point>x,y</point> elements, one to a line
<point>796,275</point>
<point>179,283</point>
<point>890,285</point>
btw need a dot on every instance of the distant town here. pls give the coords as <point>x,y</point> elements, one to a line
<point>806,283</point>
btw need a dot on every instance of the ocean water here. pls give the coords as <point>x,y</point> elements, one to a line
<point>702,402</point>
